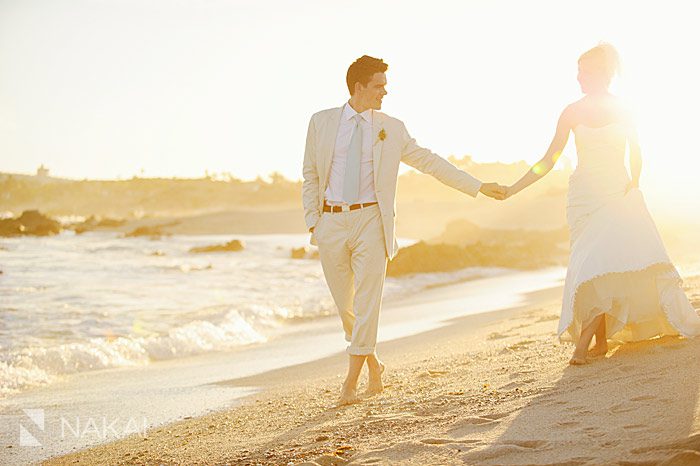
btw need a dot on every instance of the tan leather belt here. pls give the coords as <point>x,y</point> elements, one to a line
<point>345,208</point>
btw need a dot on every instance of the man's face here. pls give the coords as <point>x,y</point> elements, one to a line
<point>371,96</point>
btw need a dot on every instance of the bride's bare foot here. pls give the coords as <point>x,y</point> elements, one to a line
<point>375,385</point>
<point>348,396</point>
<point>584,341</point>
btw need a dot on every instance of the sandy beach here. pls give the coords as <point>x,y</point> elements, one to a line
<point>493,388</point>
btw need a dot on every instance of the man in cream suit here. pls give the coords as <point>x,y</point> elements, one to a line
<point>351,168</point>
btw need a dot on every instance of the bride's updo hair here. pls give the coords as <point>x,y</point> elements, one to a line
<point>604,59</point>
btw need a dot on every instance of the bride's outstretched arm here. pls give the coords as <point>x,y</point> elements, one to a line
<point>546,163</point>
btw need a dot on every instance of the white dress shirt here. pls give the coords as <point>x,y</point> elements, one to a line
<point>334,191</point>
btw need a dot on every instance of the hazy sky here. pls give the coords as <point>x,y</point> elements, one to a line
<point>107,88</point>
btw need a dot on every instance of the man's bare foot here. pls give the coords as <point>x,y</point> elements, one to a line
<point>578,359</point>
<point>348,396</point>
<point>598,351</point>
<point>375,385</point>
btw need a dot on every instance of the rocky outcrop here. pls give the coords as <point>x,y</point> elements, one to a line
<point>425,258</point>
<point>31,222</point>
<point>154,231</point>
<point>95,223</point>
<point>304,253</point>
<point>232,246</point>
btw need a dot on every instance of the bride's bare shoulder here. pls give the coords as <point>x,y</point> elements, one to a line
<point>571,112</point>
<point>575,106</point>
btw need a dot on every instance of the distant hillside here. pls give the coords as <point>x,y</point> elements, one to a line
<point>139,197</point>
<point>424,205</point>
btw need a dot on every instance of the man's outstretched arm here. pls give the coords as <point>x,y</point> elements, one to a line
<point>427,162</point>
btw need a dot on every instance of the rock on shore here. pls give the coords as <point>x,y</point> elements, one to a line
<point>232,246</point>
<point>31,222</point>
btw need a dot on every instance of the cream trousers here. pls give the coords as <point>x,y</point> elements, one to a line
<point>353,257</point>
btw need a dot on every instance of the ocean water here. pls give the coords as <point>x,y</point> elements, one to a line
<point>75,303</point>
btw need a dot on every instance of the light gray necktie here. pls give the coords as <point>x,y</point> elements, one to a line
<point>351,183</point>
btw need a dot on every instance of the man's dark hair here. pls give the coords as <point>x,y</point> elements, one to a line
<point>362,70</point>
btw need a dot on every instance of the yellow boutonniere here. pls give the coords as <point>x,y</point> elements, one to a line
<point>382,135</point>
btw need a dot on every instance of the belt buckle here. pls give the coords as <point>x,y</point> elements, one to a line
<point>345,208</point>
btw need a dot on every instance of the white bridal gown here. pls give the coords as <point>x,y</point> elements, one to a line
<point>618,263</point>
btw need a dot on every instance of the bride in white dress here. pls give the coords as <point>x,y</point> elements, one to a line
<point>620,283</point>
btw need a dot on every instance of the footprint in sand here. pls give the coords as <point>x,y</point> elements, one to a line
<point>433,373</point>
<point>372,417</point>
<point>622,408</point>
<point>485,419</point>
<point>498,336</point>
<point>513,449</point>
<point>516,384</point>
<point>521,345</point>
<point>580,410</point>
<point>515,375</point>
<point>568,424</point>
<point>437,441</point>
<point>468,441</point>
<point>405,450</point>
<point>470,424</point>
<point>330,460</point>
<point>628,368</point>
<point>593,432</point>
<point>477,420</point>
<point>549,402</point>
<point>538,444</point>
<point>511,386</point>
<point>491,453</point>
<point>644,398</point>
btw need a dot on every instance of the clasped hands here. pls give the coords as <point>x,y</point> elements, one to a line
<point>495,191</point>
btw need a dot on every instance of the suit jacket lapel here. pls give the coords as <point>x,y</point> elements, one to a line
<point>377,144</point>
<point>328,145</point>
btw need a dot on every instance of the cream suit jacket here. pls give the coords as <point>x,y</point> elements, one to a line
<point>394,146</point>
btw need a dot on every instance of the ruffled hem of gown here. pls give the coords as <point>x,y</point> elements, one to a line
<point>638,304</point>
